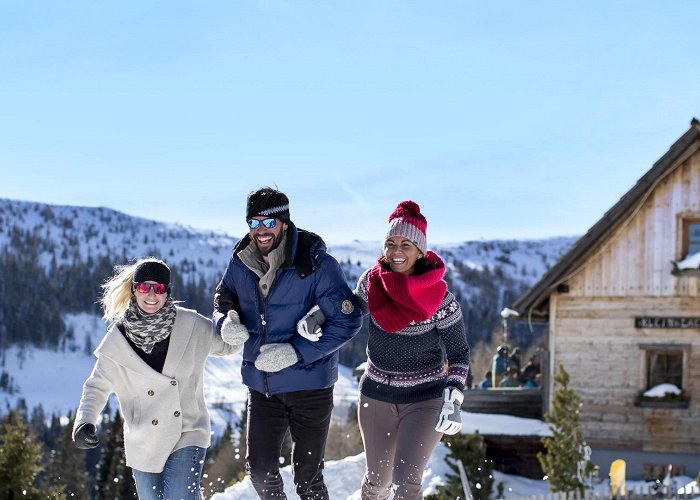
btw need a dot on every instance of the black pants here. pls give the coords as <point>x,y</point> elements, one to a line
<point>307,415</point>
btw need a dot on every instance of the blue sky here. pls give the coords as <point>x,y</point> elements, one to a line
<point>502,119</point>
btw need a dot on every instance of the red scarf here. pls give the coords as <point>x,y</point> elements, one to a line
<point>395,299</point>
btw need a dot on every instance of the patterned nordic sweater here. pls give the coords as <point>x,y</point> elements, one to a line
<point>409,366</point>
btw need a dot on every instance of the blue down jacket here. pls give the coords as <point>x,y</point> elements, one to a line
<point>307,277</point>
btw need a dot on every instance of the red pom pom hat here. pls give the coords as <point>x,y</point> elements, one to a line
<point>407,221</point>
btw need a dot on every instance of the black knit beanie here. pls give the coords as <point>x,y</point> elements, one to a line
<point>152,270</point>
<point>268,202</point>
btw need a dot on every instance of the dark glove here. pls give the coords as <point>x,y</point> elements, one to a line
<point>85,436</point>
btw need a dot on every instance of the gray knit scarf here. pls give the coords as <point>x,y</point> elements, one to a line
<point>145,330</point>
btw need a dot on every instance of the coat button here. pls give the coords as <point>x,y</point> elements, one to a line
<point>154,421</point>
<point>173,382</point>
<point>177,413</point>
<point>150,392</point>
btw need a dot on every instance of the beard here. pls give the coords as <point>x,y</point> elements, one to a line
<point>266,249</point>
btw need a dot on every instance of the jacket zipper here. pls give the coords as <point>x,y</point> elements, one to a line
<point>263,341</point>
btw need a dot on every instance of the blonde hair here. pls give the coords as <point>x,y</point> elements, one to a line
<point>118,289</point>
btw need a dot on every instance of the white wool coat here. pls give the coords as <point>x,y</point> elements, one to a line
<point>162,412</point>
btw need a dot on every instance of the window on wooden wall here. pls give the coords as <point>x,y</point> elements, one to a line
<point>664,367</point>
<point>664,364</point>
<point>691,236</point>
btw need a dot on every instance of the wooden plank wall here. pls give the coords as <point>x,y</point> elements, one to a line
<point>635,260</point>
<point>597,343</point>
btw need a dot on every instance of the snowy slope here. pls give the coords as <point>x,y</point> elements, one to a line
<point>68,233</point>
<point>55,379</point>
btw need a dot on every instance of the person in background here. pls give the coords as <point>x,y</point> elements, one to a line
<point>532,368</point>
<point>512,380</point>
<point>487,381</point>
<point>499,367</point>
<point>514,358</point>
<point>276,275</point>
<point>152,358</point>
<point>533,381</point>
<point>408,400</point>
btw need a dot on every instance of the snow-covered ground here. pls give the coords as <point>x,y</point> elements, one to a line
<point>343,479</point>
<point>55,380</point>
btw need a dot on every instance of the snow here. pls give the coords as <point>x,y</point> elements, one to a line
<point>55,379</point>
<point>659,391</point>
<point>524,260</point>
<point>503,425</point>
<point>343,478</point>
<point>93,232</point>
<point>690,262</point>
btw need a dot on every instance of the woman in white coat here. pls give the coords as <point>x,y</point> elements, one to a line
<point>153,359</point>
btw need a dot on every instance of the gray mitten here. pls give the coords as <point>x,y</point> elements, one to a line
<point>233,332</point>
<point>450,418</point>
<point>276,357</point>
<point>309,326</point>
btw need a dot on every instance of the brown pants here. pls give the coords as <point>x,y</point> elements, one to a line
<point>398,440</point>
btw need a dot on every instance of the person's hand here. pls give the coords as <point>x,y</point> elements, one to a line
<point>450,419</point>
<point>85,436</point>
<point>309,326</point>
<point>276,357</point>
<point>233,332</point>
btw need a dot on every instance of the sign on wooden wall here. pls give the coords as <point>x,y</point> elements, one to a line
<point>666,322</point>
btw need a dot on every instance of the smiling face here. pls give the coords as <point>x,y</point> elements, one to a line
<point>401,254</point>
<point>150,302</point>
<point>267,239</point>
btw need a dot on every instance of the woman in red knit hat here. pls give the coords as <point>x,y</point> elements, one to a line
<point>408,399</point>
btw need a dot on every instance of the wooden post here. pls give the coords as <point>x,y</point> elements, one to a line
<point>544,381</point>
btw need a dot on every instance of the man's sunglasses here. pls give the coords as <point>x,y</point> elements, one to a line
<point>268,223</point>
<point>143,287</point>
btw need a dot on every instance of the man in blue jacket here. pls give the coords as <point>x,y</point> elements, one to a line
<point>276,274</point>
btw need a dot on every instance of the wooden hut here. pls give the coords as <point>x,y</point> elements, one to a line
<point>623,310</point>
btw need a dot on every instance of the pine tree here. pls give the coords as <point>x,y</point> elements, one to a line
<point>471,450</point>
<point>67,465</point>
<point>20,462</point>
<point>565,463</point>
<point>114,478</point>
<point>226,464</point>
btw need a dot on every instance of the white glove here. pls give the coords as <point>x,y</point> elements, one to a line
<point>309,326</point>
<point>450,419</point>
<point>276,357</point>
<point>233,332</point>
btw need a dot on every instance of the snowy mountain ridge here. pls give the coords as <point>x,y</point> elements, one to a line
<point>70,233</point>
